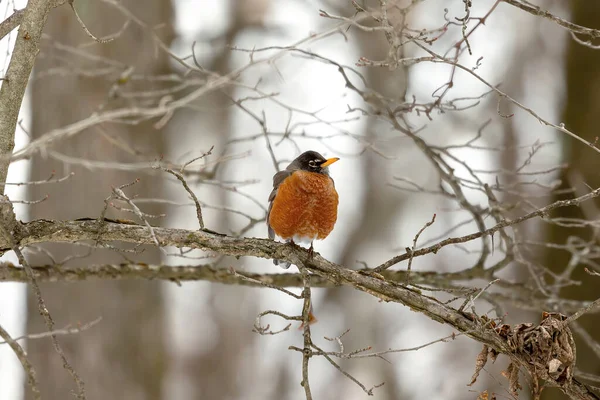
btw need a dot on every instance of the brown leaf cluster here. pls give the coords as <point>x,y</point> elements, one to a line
<point>548,349</point>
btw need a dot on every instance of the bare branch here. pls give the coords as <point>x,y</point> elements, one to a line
<point>67,330</point>
<point>539,12</point>
<point>50,324</point>
<point>11,23</point>
<point>265,330</point>
<point>190,192</point>
<point>542,212</point>
<point>414,247</point>
<point>585,310</point>
<point>8,224</point>
<point>86,30</point>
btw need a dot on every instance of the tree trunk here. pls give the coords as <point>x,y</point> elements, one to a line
<point>379,209</point>
<point>207,361</point>
<point>123,356</point>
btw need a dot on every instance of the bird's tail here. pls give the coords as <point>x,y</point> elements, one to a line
<point>282,264</point>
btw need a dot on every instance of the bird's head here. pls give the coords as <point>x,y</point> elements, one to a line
<point>313,162</point>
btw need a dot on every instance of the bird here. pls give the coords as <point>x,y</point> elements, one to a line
<point>303,204</point>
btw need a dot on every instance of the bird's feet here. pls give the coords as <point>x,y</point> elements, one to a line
<point>311,251</point>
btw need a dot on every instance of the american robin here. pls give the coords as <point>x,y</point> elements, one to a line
<point>303,204</point>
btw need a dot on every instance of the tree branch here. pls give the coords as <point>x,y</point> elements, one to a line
<point>8,224</point>
<point>523,299</point>
<point>11,23</point>
<point>369,282</point>
<point>541,212</point>
<point>537,11</point>
<point>72,231</point>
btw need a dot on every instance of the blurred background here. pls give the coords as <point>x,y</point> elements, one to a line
<point>194,340</point>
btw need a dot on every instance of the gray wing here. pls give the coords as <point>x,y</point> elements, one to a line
<point>277,179</point>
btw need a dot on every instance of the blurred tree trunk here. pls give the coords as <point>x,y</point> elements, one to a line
<point>123,357</point>
<point>379,208</point>
<point>200,364</point>
<point>581,111</point>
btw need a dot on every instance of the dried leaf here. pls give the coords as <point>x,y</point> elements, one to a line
<point>479,363</point>
<point>553,366</point>
<point>493,355</point>
<point>512,373</point>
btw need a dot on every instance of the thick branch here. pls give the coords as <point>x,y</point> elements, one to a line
<point>372,283</point>
<point>72,231</point>
<point>439,280</point>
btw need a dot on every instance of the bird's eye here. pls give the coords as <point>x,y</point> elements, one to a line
<point>312,163</point>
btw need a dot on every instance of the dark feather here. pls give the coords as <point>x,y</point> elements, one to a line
<point>278,178</point>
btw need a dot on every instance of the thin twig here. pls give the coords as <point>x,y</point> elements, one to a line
<point>86,30</point>
<point>187,188</point>
<point>120,194</point>
<point>50,323</point>
<point>414,247</point>
<point>265,330</point>
<point>201,156</point>
<point>590,308</point>
<point>43,182</point>
<point>265,284</point>
<point>541,212</point>
<point>345,373</point>
<point>537,11</point>
<point>592,272</point>
<point>8,224</point>
<point>64,331</point>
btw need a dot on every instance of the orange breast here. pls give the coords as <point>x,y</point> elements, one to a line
<point>305,205</point>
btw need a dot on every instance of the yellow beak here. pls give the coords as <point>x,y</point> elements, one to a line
<point>329,162</point>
